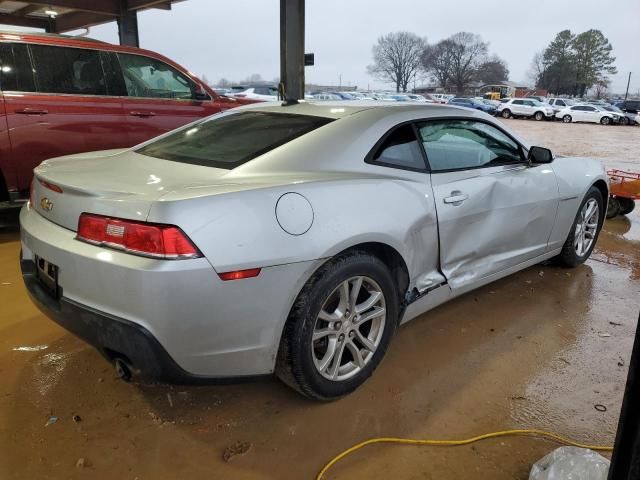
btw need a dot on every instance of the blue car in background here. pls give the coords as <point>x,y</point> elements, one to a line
<point>473,103</point>
<point>343,95</point>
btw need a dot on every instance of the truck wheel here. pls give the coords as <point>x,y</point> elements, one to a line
<point>539,116</point>
<point>506,113</point>
<point>626,205</point>
<point>613,208</point>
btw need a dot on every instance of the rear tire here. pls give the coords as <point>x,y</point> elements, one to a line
<point>330,346</point>
<point>539,116</point>
<point>567,119</point>
<point>584,230</point>
<point>626,205</point>
<point>626,121</point>
<point>506,113</point>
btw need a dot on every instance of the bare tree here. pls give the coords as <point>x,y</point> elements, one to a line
<point>538,70</point>
<point>468,52</point>
<point>601,87</point>
<point>436,61</point>
<point>223,82</point>
<point>396,58</point>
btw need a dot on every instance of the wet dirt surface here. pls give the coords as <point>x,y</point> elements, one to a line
<point>535,350</point>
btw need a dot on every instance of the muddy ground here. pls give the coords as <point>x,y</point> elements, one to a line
<point>535,350</point>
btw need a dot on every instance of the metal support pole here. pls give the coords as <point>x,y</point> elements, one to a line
<point>627,92</point>
<point>128,26</point>
<point>625,462</point>
<point>292,50</point>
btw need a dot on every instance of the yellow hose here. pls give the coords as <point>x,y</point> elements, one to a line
<point>453,443</point>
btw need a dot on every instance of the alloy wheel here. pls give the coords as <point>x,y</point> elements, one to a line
<point>586,227</point>
<point>349,328</point>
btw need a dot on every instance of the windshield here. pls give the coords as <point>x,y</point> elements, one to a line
<point>228,141</point>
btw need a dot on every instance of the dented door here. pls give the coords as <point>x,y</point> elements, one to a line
<point>493,218</point>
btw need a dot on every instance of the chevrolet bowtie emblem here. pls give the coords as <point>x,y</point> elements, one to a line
<point>46,204</point>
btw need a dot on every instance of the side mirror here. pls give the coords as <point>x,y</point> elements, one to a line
<point>540,155</point>
<point>200,94</point>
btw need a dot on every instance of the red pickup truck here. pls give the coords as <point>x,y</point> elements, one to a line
<point>61,95</point>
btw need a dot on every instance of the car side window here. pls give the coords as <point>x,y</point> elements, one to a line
<point>466,144</point>
<point>148,77</point>
<point>68,70</point>
<point>560,103</point>
<point>517,102</point>
<point>16,73</point>
<point>590,109</point>
<point>400,149</point>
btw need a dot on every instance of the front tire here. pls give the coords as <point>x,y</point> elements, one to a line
<point>566,119</point>
<point>584,230</point>
<point>339,327</point>
<point>539,116</point>
<point>605,120</point>
<point>506,113</point>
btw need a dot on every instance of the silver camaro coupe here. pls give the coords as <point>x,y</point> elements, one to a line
<point>294,239</point>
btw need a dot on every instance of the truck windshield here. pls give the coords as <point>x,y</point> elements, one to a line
<point>228,141</point>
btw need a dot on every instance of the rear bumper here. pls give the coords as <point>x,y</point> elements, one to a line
<point>113,337</point>
<point>162,314</point>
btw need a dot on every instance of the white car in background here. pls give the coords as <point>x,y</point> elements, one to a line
<point>585,113</point>
<point>560,103</point>
<point>442,97</point>
<point>418,98</point>
<point>525,107</point>
<point>267,93</point>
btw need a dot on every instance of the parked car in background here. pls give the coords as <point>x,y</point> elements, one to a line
<point>343,95</point>
<point>227,265</point>
<point>326,97</point>
<point>264,93</point>
<point>525,107</point>
<point>629,106</point>
<point>560,103</point>
<point>585,113</point>
<point>538,98</point>
<point>442,97</point>
<point>419,98</point>
<point>618,115</point>
<point>472,103</point>
<point>63,95</point>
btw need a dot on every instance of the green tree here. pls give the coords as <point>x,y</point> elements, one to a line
<point>493,70</point>
<point>560,74</point>
<point>592,58</point>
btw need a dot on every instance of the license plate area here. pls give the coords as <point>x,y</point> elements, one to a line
<point>47,274</point>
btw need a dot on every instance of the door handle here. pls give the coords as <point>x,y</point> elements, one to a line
<point>456,198</point>
<point>136,113</point>
<point>31,111</point>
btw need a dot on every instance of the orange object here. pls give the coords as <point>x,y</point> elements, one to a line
<point>624,184</point>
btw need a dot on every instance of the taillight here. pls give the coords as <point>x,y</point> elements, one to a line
<point>140,238</point>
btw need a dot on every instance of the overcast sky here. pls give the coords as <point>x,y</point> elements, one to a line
<point>236,39</point>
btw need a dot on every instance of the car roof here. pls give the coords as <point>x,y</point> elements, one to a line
<point>339,109</point>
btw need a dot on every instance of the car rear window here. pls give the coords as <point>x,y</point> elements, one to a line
<point>229,141</point>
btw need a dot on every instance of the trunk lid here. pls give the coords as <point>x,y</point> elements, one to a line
<point>118,183</point>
